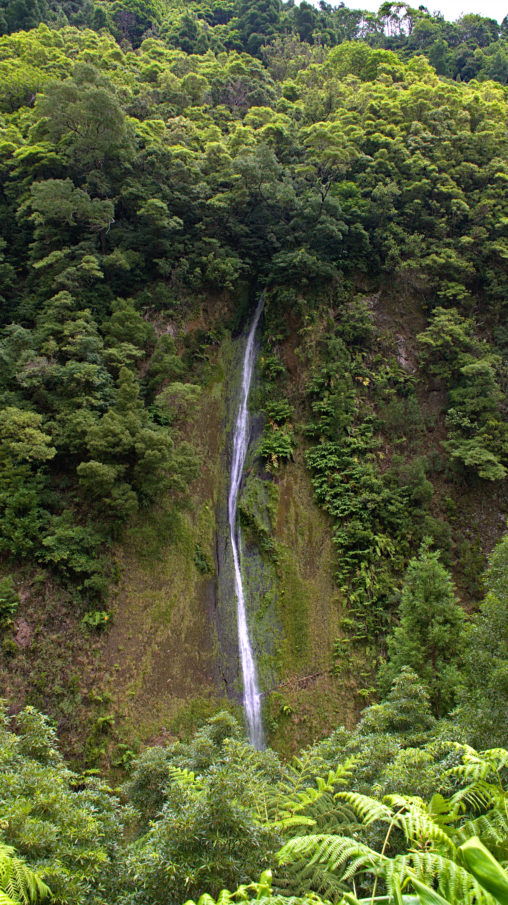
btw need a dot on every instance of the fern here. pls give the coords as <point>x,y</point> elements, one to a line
<point>333,862</point>
<point>5,900</point>
<point>185,778</point>
<point>412,816</point>
<point>492,828</point>
<point>18,883</point>
<point>261,893</point>
<point>368,809</point>
<point>455,883</point>
<point>338,853</point>
<point>478,766</point>
<point>299,791</point>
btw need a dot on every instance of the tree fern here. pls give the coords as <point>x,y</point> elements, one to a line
<point>413,817</point>
<point>19,884</point>
<point>477,766</point>
<point>433,857</point>
<point>300,791</point>
<point>491,827</point>
<point>367,809</point>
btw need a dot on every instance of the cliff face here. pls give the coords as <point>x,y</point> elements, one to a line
<point>171,655</point>
<point>165,656</point>
<point>316,657</point>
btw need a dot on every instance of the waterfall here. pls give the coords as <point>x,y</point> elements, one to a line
<point>251,698</point>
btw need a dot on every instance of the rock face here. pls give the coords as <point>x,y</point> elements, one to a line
<point>23,633</point>
<point>258,572</point>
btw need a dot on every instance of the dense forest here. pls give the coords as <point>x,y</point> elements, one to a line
<point>162,166</point>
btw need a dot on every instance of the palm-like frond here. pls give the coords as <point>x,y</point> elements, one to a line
<point>455,883</point>
<point>478,766</point>
<point>367,809</point>
<point>185,778</point>
<point>18,883</point>
<point>300,791</point>
<point>341,854</point>
<point>302,875</point>
<point>412,816</point>
<point>433,834</point>
<point>491,827</point>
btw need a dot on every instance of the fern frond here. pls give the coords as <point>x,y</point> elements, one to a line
<point>498,757</point>
<point>17,881</point>
<point>340,854</point>
<point>478,766</point>
<point>5,900</point>
<point>412,816</point>
<point>301,876</point>
<point>477,796</point>
<point>185,778</point>
<point>455,883</point>
<point>491,828</point>
<point>368,809</point>
<point>301,847</point>
<point>292,799</point>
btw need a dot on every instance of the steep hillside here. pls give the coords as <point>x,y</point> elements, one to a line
<point>150,192</point>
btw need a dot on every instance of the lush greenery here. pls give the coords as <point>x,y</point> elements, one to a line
<point>216,812</point>
<point>160,165</point>
<point>118,166</point>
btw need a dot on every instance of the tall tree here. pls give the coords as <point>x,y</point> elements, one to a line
<point>430,634</point>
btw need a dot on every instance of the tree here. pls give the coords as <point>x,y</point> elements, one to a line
<point>67,827</point>
<point>205,834</point>
<point>84,119</point>
<point>430,634</point>
<point>21,14</point>
<point>257,22</point>
<point>478,433</point>
<point>482,711</point>
<point>405,711</point>
<point>24,448</point>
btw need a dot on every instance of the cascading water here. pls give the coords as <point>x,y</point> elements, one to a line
<point>251,698</point>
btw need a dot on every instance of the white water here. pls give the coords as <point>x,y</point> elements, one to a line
<point>251,698</point>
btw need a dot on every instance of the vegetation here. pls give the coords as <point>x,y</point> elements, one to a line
<point>160,166</point>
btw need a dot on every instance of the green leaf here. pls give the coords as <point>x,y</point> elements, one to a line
<point>428,896</point>
<point>486,869</point>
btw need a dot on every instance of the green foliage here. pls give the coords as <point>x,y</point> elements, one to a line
<point>95,619</point>
<point>482,699</point>
<point>421,846</point>
<point>9,600</point>
<point>277,445</point>
<point>429,637</point>
<point>376,514</point>
<point>137,179</point>
<point>17,882</point>
<point>476,428</point>
<point>202,561</point>
<point>307,150</point>
<point>66,827</point>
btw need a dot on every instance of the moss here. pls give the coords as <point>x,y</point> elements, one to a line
<point>161,651</point>
<point>308,608</point>
<point>294,600</point>
<point>196,711</point>
<point>257,508</point>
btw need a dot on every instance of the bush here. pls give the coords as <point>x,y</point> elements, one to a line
<point>9,600</point>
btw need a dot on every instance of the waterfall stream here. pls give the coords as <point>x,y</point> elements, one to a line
<point>251,698</point>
